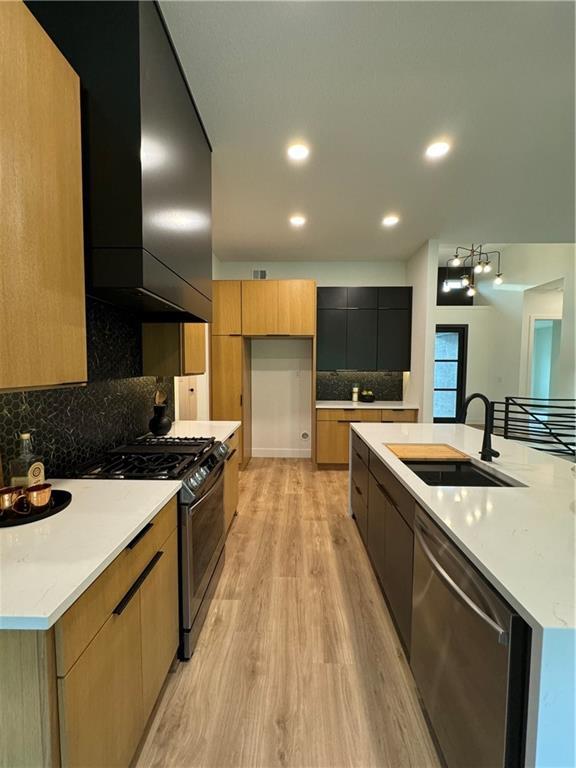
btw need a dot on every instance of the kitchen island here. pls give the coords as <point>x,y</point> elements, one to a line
<point>521,539</point>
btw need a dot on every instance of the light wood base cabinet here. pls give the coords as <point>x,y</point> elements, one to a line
<point>81,693</point>
<point>333,429</point>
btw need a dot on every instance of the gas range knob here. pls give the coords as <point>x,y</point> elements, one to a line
<point>204,472</point>
<point>198,478</point>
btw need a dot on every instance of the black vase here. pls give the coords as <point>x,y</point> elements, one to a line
<point>160,423</point>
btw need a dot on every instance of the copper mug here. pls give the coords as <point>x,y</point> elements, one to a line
<point>38,496</point>
<point>8,496</point>
<point>33,498</point>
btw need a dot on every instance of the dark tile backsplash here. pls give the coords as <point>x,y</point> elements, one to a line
<point>338,386</point>
<point>73,425</point>
<point>114,339</point>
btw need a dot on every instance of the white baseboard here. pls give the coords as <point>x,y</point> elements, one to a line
<point>281,453</point>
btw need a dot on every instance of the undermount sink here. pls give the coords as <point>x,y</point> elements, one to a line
<point>457,473</point>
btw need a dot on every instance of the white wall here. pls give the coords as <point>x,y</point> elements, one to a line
<point>325,273</point>
<point>421,271</point>
<point>281,397</point>
<point>497,325</point>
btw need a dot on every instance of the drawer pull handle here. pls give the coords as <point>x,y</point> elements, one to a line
<point>358,491</point>
<point>387,495</point>
<point>140,535</point>
<point>230,455</point>
<point>348,421</point>
<point>122,605</point>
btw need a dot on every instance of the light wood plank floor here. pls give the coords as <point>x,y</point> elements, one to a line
<point>298,663</point>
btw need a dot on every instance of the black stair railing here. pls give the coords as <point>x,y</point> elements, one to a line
<point>546,424</point>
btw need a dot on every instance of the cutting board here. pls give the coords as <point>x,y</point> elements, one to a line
<point>426,452</point>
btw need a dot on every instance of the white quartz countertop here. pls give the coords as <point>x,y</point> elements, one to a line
<point>520,538</point>
<point>221,430</point>
<point>45,566</point>
<point>397,405</point>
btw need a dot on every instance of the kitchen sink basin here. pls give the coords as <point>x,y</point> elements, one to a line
<point>460,473</point>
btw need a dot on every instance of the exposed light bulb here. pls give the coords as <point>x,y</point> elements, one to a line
<point>465,280</point>
<point>471,291</point>
<point>498,280</point>
<point>487,267</point>
<point>390,220</point>
<point>445,287</point>
<point>437,150</point>
<point>478,268</point>
<point>456,261</point>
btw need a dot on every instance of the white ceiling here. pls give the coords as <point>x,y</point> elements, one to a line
<point>369,85</point>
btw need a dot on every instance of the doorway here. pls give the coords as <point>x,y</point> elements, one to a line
<point>450,351</point>
<point>544,345</point>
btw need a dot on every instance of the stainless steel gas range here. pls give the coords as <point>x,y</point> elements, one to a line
<point>199,463</point>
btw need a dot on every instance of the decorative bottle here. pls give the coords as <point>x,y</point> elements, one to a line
<point>27,468</point>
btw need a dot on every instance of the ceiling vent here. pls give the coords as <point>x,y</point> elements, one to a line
<point>259,274</point>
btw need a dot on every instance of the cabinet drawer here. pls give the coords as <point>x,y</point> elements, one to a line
<point>359,474</point>
<point>361,448</point>
<point>348,414</point>
<point>407,415</point>
<point>360,512</point>
<point>394,488</point>
<point>76,628</point>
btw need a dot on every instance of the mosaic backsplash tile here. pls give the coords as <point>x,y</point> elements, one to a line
<point>73,425</point>
<point>338,386</point>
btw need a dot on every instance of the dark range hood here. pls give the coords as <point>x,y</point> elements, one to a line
<point>147,160</point>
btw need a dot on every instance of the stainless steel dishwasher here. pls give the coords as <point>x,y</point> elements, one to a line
<point>469,656</point>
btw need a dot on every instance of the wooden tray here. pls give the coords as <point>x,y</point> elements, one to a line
<point>426,452</point>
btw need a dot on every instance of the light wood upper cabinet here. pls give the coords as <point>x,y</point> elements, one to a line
<point>226,307</point>
<point>42,305</point>
<point>173,349</point>
<point>259,307</point>
<point>194,352</point>
<point>297,307</point>
<point>278,307</point>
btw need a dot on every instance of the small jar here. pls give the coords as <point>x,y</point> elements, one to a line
<point>355,391</point>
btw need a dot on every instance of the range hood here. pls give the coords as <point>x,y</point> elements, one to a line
<point>147,160</point>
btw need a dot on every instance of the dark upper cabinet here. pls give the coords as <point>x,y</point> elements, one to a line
<point>331,339</point>
<point>362,298</point>
<point>146,157</point>
<point>364,329</point>
<point>361,339</point>
<point>394,339</point>
<point>332,298</point>
<point>395,298</point>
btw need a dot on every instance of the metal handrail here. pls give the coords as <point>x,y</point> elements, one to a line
<point>524,419</point>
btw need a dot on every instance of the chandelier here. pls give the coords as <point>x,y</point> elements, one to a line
<point>474,262</point>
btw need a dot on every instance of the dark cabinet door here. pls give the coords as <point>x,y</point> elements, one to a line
<point>331,339</point>
<point>376,531</point>
<point>361,340</point>
<point>394,339</point>
<point>362,298</point>
<point>359,491</point>
<point>398,568</point>
<point>395,298</point>
<point>331,298</point>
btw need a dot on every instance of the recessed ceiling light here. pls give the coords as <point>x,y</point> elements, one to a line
<point>297,220</point>
<point>390,220</point>
<point>437,150</point>
<point>298,152</point>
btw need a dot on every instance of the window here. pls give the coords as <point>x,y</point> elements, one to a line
<point>449,371</point>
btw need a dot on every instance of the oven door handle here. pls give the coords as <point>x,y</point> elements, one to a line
<point>457,591</point>
<point>192,508</point>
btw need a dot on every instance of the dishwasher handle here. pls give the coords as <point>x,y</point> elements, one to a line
<point>503,637</point>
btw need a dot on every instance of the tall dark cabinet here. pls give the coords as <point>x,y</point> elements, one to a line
<point>364,329</point>
<point>147,158</point>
